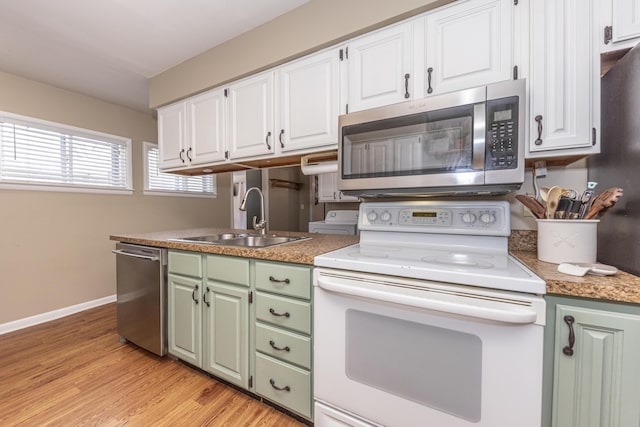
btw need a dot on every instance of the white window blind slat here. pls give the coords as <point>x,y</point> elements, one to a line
<point>44,153</point>
<point>160,182</point>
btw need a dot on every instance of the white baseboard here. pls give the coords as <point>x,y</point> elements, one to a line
<point>52,315</point>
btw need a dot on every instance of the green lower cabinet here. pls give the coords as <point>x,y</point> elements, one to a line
<point>226,332</point>
<point>596,355</point>
<point>284,384</point>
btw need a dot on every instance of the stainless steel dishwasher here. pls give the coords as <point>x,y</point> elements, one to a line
<point>141,274</point>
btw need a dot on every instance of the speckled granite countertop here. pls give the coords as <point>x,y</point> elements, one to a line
<point>300,252</point>
<point>621,287</point>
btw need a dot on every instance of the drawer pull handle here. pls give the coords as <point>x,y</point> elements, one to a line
<point>272,311</point>
<point>568,349</point>
<point>273,279</point>
<point>273,345</point>
<point>273,384</point>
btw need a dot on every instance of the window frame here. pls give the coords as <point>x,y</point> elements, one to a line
<point>148,146</point>
<point>64,129</point>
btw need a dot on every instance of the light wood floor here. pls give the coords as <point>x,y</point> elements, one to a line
<point>74,371</point>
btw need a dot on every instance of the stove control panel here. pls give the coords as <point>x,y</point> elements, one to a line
<point>457,217</point>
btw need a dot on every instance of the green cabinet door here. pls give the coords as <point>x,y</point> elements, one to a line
<point>226,332</point>
<point>185,318</point>
<point>596,380</point>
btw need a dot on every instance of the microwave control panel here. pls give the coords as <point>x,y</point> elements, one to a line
<point>502,134</point>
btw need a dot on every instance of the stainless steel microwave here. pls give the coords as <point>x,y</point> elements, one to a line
<point>466,142</point>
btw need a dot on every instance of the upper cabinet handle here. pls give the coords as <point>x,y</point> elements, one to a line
<point>266,140</point>
<point>188,156</point>
<point>539,120</point>
<point>429,71</point>
<point>180,155</point>
<point>280,138</point>
<point>406,85</point>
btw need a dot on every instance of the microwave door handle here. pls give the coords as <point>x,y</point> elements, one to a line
<point>516,315</point>
<point>479,136</point>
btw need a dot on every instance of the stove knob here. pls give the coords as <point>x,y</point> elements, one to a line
<point>487,218</point>
<point>372,216</point>
<point>385,216</point>
<point>468,218</point>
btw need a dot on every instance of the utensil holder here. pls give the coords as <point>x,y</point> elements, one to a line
<point>567,240</point>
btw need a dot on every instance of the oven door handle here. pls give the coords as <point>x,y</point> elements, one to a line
<point>513,315</point>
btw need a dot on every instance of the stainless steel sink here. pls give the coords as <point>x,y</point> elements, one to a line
<point>241,239</point>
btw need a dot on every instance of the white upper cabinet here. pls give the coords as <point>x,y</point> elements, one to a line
<point>621,24</point>
<point>191,132</point>
<point>250,116</point>
<point>564,80</point>
<point>380,67</point>
<point>308,102</point>
<point>172,135</point>
<point>206,128</point>
<point>468,44</point>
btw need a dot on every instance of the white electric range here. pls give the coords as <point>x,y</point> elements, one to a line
<point>428,321</point>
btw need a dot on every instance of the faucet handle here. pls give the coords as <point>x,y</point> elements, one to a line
<point>260,226</point>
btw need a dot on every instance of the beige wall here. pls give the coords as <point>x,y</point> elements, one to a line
<point>54,246</point>
<point>316,24</point>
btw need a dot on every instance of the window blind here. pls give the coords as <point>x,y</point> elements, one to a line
<point>37,153</point>
<point>168,182</point>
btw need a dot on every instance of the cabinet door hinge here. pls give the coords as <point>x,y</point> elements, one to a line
<point>515,72</point>
<point>226,155</point>
<point>346,109</point>
<point>608,34</point>
<point>593,136</point>
<point>226,93</point>
<point>251,381</point>
<point>250,297</point>
<point>515,2</point>
<point>346,52</point>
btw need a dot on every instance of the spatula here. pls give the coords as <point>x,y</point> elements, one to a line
<point>603,201</point>
<point>553,197</point>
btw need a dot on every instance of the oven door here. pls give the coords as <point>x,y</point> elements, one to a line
<point>401,352</point>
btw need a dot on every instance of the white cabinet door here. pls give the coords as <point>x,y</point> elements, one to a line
<point>468,44</point>
<point>206,128</point>
<point>328,189</point>
<point>620,26</point>
<point>380,68</point>
<point>564,81</point>
<point>308,102</point>
<point>172,135</point>
<point>596,379</point>
<point>626,20</point>
<point>250,116</point>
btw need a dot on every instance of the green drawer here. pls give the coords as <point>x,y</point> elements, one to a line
<point>285,312</point>
<point>295,384</point>
<point>228,269</point>
<point>284,345</point>
<point>284,279</point>
<point>185,263</point>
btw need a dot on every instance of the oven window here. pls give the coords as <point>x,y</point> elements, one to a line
<point>436,367</point>
<point>432,142</point>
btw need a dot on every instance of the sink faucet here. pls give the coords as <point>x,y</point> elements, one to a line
<point>258,226</point>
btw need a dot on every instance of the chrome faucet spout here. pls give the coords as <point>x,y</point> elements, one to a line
<point>258,226</point>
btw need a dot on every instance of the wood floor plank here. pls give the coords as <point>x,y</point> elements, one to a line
<point>74,371</point>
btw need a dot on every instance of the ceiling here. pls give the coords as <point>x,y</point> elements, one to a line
<point>109,49</point>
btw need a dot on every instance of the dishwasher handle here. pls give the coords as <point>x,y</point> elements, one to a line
<point>515,315</point>
<point>121,252</point>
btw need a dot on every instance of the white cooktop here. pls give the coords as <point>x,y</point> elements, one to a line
<point>453,242</point>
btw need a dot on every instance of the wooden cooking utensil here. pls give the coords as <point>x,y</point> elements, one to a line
<point>544,192</point>
<point>603,201</point>
<point>553,198</point>
<point>536,208</point>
